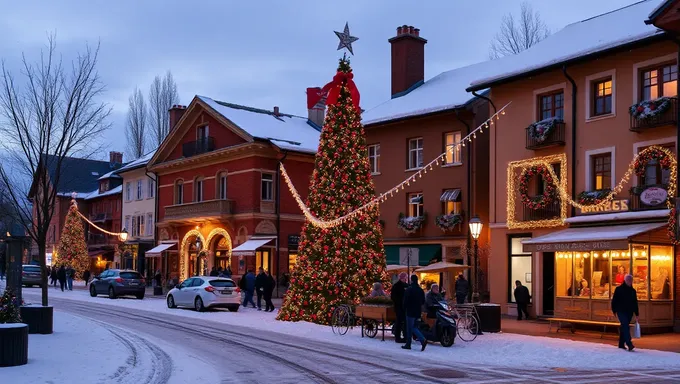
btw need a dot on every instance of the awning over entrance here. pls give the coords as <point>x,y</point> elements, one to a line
<point>250,246</point>
<point>589,238</point>
<point>156,251</point>
<point>426,253</point>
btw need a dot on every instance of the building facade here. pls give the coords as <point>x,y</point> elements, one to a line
<point>422,120</point>
<point>104,207</point>
<point>221,202</point>
<point>584,109</point>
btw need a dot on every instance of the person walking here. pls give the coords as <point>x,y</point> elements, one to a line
<point>53,277</point>
<point>70,275</point>
<point>86,276</point>
<point>397,296</point>
<point>61,275</point>
<point>213,272</point>
<point>624,306</point>
<point>269,285</point>
<point>158,277</point>
<point>414,298</point>
<point>522,298</point>
<point>249,288</point>
<point>227,272</point>
<point>260,281</point>
<point>462,289</point>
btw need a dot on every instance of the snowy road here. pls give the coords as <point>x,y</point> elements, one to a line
<point>246,355</point>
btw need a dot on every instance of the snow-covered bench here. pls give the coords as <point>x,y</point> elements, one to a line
<point>575,311</point>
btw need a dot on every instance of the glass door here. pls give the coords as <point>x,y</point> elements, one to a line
<point>262,259</point>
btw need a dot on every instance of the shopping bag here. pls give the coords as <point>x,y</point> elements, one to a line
<point>636,331</point>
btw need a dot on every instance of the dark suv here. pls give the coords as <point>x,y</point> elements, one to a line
<point>118,282</point>
<point>30,275</point>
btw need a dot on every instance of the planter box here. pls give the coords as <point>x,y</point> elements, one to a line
<point>13,344</point>
<point>38,318</point>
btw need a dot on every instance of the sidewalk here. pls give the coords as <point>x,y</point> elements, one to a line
<point>669,342</point>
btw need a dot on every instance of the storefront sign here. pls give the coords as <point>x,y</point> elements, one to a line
<point>613,206</point>
<point>576,246</point>
<point>654,196</point>
<point>293,242</point>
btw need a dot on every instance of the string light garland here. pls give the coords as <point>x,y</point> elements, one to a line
<point>394,190</point>
<point>122,236</point>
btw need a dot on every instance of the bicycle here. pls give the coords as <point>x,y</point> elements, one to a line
<point>342,319</point>
<point>467,323</point>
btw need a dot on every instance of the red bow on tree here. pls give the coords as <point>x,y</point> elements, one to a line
<point>333,88</point>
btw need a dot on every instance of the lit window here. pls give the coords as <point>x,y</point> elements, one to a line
<point>520,266</point>
<point>659,81</point>
<point>374,157</point>
<point>415,153</point>
<point>453,150</point>
<point>415,204</point>
<point>602,97</point>
<point>267,187</point>
<point>602,171</point>
<point>451,204</point>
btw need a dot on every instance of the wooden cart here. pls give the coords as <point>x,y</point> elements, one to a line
<point>375,318</point>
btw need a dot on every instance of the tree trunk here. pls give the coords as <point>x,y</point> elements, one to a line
<point>43,273</point>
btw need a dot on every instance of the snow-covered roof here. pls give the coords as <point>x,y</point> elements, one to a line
<point>609,30</point>
<point>142,161</point>
<point>659,8</point>
<point>110,175</point>
<point>283,130</point>
<point>442,92</point>
<point>95,194</point>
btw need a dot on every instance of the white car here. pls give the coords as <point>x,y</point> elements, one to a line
<point>201,292</point>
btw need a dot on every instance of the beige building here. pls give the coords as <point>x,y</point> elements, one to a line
<point>138,217</point>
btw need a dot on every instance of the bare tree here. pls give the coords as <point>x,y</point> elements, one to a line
<point>162,96</point>
<point>54,112</point>
<point>135,129</point>
<point>517,35</point>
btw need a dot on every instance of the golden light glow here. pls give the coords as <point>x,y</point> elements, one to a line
<point>184,252</point>
<point>122,236</point>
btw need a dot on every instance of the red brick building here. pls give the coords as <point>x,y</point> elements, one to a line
<point>104,209</point>
<point>221,201</point>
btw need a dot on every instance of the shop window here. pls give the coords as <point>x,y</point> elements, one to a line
<point>654,174</point>
<point>267,187</point>
<point>551,105</point>
<point>262,260</point>
<point>415,153</point>
<point>520,266</point>
<point>601,278</point>
<point>564,274</point>
<point>374,158</point>
<point>661,272</point>
<point>415,204</point>
<point>620,265</point>
<point>602,97</point>
<point>602,171</point>
<point>292,261</point>
<point>640,271</point>
<point>453,150</point>
<point>582,274</point>
<point>659,81</point>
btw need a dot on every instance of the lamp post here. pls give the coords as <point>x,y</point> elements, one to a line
<point>475,230</point>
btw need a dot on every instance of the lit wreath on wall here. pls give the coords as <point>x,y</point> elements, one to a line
<point>548,196</point>
<point>653,153</point>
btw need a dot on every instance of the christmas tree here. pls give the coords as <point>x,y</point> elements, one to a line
<point>338,264</point>
<point>72,251</point>
<point>9,308</point>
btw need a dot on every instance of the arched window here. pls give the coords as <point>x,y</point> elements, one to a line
<point>222,185</point>
<point>179,191</point>
<point>198,189</point>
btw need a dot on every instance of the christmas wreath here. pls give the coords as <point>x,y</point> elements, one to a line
<point>446,222</point>
<point>649,108</point>
<point>592,197</point>
<point>650,154</point>
<point>410,224</point>
<point>540,130</point>
<point>548,196</point>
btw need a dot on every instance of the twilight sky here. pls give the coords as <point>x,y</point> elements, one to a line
<point>260,53</point>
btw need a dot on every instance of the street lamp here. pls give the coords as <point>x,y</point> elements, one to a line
<point>123,236</point>
<point>475,230</point>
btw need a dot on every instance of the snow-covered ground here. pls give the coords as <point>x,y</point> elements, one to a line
<point>489,349</point>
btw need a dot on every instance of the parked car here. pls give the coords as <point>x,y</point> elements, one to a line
<point>118,282</point>
<point>202,292</point>
<point>30,275</point>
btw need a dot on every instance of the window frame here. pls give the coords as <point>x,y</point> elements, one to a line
<point>594,172</point>
<point>553,95</point>
<point>659,172</point>
<point>594,96</point>
<point>151,185</point>
<point>140,190</point>
<point>179,192</point>
<point>128,191</point>
<point>374,160</point>
<point>510,255</point>
<point>658,67</point>
<point>417,150</point>
<point>456,203</point>
<point>267,185</point>
<point>222,183</point>
<point>419,207</point>
<point>149,224</point>
<point>199,189</point>
<point>457,152</point>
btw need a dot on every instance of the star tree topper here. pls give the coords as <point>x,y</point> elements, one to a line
<point>345,39</point>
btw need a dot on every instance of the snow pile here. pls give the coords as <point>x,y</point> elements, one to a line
<point>506,350</point>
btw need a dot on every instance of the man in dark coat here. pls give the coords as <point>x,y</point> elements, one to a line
<point>522,298</point>
<point>462,289</point>
<point>260,282</point>
<point>86,276</point>
<point>414,298</point>
<point>61,275</point>
<point>397,296</point>
<point>213,272</point>
<point>249,285</point>
<point>624,305</point>
<point>269,285</point>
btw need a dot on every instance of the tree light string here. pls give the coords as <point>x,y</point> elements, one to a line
<point>390,193</point>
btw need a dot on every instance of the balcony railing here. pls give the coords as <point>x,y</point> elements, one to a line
<point>198,147</point>
<point>654,200</point>
<point>210,208</point>
<point>101,217</point>
<point>552,211</point>
<point>668,117</point>
<point>555,137</point>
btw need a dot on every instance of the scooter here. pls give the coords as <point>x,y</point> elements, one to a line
<point>444,329</point>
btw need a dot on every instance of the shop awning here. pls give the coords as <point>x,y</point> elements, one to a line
<point>450,195</point>
<point>396,268</point>
<point>156,251</point>
<point>443,266</point>
<point>589,238</point>
<point>250,246</point>
<point>416,199</point>
<point>426,253</point>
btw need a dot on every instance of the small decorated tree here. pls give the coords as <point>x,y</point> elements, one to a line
<point>72,251</point>
<point>9,308</point>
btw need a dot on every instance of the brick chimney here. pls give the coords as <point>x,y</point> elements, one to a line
<point>316,105</point>
<point>408,59</point>
<point>176,113</point>
<point>115,159</point>
<point>276,111</point>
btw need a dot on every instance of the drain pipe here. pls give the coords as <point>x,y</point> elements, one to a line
<point>677,111</point>
<point>573,135</point>
<point>495,146</point>
<point>278,220</point>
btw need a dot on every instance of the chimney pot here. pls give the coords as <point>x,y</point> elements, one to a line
<point>399,31</point>
<point>410,29</point>
<point>417,32</point>
<point>176,113</point>
<point>276,111</point>
<point>408,59</point>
